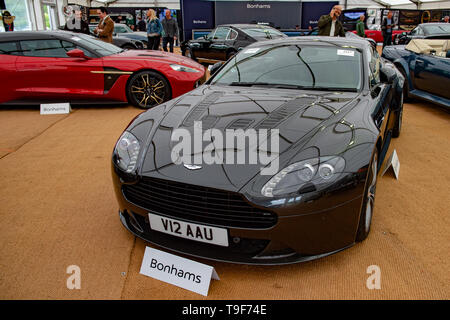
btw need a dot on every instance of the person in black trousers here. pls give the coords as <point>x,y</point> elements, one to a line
<point>386,29</point>
<point>170,26</point>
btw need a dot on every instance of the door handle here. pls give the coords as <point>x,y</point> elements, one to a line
<point>421,62</point>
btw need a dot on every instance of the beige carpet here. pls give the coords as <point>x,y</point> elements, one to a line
<point>58,209</point>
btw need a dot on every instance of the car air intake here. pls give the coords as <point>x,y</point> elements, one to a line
<point>197,204</point>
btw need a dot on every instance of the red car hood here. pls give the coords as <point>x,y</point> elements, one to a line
<point>159,56</point>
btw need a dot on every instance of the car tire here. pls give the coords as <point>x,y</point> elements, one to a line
<point>189,54</point>
<point>147,89</point>
<point>365,219</point>
<point>398,122</point>
<point>128,47</point>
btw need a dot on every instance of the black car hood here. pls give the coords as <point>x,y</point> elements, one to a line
<point>297,115</point>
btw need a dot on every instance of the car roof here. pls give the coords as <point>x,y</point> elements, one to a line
<point>245,25</point>
<point>340,41</point>
<point>34,35</point>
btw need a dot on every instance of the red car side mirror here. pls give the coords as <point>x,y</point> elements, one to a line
<point>76,53</point>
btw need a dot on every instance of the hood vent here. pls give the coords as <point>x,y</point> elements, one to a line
<point>196,112</point>
<point>283,112</point>
<point>240,124</point>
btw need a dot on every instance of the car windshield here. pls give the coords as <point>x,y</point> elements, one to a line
<point>294,66</point>
<point>437,29</point>
<point>101,48</point>
<point>261,32</point>
<point>122,28</point>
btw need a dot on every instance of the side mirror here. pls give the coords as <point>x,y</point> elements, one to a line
<point>215,67</point>
<point>387,75</point>
<point>77,53</point>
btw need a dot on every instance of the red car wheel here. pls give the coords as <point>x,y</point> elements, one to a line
<point>147,89</point>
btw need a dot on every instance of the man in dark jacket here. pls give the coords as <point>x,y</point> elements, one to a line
<point>386,29</point>
<point>170,26</point>
<point>329,25</point>
<point>141,25</point>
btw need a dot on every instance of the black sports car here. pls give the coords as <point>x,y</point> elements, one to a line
<point>225,40</point>
<point>336,105</point>
<point>424,31</point>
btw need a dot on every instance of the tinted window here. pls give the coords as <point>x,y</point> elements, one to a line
<point>232,35</point>
<point>9,48</point>
<point>121,29</point>
<point>261,32</point>
<point>437,29</point>
<point>70,46</point>
<point>221,33</point>
<point>96,45</point>
<point>43,48</point>
<point>312,67</point>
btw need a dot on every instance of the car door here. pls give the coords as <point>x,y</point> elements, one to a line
<point>200,46</point>
<point>50,74</point>
<point>381,94</point>
<point>432,74</point>
<point>12,88</point>
<point>218,48</point>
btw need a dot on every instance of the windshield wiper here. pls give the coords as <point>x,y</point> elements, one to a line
<point>331,89</point>
<point>248,84</point>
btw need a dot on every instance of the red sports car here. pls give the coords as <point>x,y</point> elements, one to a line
<point>61,66</point>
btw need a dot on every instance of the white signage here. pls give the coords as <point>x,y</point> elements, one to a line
<point>349,53</point>
<point>394,163</point>
<point>55,108</point>
<point>181,272</point>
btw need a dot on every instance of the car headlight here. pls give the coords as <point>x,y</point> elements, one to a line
<point>305,176</point>
<point>126,152</point>
<point>178,67</point>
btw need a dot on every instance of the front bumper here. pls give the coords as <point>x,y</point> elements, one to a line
<point>293,239</point>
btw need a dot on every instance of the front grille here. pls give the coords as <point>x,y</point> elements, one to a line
<point>197,204</point>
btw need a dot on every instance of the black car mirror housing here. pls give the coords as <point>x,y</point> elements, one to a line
<point>216,67</point>
<point>387,75</point>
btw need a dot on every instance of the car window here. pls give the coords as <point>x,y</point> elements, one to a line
<point>437,29</point>
<point>221,33</point>
<point>43,48</point>
<point>232,35</point>
<point>374,67</point>
<point>419,32</point>
<point>70,46</point>
<point>9,48</point>
<point>263,32</point>
<point>211,34</point>
<point>120,29</point>
<point>305,66</point>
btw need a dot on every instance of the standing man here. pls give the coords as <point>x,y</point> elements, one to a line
<point>170,29</point>
<point>105,27</point>
<point>386,28</point>
<point>329,25</point>
<point>141,25</point>
<point>360,27</point>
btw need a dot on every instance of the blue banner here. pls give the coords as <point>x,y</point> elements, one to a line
<point>197,14</point>
<point>278,14</point>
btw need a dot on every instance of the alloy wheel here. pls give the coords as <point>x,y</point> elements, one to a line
<point>371,195</point>
<point>148,90</point>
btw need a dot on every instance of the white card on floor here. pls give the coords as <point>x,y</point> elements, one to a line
<point>182,272</point>
<point>394,163</point>
<point>55,108</point>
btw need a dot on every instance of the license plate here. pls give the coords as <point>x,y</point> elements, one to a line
<point>188,230</point>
